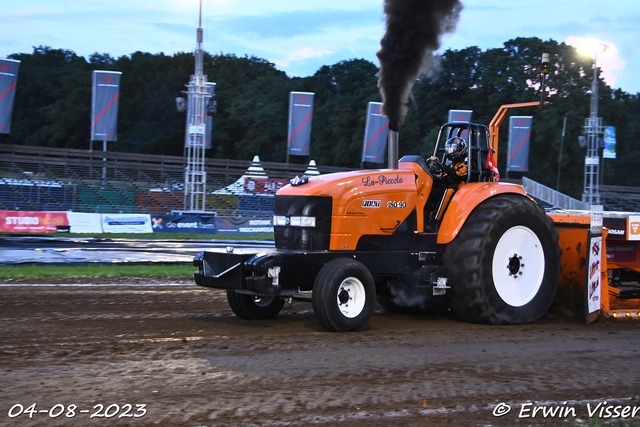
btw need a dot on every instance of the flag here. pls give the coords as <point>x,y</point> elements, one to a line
<point>519,140</point>
<point>375,135</point>
<point>492,166</point>
<point>104,106</point>
<point>300,112</point>
<point>8,83</point>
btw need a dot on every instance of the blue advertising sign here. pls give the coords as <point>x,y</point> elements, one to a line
<point>609,143</point>
<point>8,82</point>
<point>375,136</point>
<point>300,117</point>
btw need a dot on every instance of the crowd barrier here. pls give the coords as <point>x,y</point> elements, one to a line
<point>76,222</point>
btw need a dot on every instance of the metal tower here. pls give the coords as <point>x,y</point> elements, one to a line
<point>195,183</point>
<point>593,128</point>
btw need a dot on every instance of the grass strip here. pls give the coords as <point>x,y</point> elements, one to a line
<point>95,270</point>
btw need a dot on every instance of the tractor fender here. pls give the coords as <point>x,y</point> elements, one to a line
<point>466,200</point>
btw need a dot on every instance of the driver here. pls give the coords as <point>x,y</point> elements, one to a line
<point>456,151</point>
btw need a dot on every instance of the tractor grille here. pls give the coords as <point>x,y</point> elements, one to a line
<point>290,211</point>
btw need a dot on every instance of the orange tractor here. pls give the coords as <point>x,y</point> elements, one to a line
<point>414,235</point>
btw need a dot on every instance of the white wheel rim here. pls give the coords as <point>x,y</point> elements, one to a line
<point>351,297</point>
<point>263,301</point>
<point>518,266</point>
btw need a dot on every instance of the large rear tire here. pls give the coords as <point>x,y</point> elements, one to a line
<point>344,296</point>
<point>504,264</point>
<point>253,307</point>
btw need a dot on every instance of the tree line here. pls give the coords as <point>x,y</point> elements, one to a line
<point>53,104</point>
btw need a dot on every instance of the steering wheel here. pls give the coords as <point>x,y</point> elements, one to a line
<point>435,167</point>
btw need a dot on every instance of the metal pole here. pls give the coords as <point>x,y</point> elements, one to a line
<point>564,128</point>
<point>393,149</point>
<point>591,193</point>
<point>104,159</point>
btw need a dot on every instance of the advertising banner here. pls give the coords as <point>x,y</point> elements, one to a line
<point>633,228</point>
<point>300,112</point>
<point>104,105</point>
<point>8,82</point>
<point>266,186</point>
<point>244,225</point>
<point>208,118</point>
<point>593,275</point>
<point>519,140</point>
<point>619,252</point>
<point>460,115</point>
<point>183,224</point>
<point>84,222</point>
<point>126,223</point>
<point>375,134</point>
<point>609,151</point>
<point>32,222</point>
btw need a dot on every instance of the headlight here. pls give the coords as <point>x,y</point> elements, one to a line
<point>295,221</point>
<point>307,221</point>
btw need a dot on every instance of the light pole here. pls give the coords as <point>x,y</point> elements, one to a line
<point>592,128</point>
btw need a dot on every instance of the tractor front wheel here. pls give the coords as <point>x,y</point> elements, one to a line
<point>344,296</point>
<point>254,307</point>
<point>504,264</point>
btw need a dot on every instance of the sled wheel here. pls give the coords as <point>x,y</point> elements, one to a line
<point>344,296</point>
<point>504,265</point>
<point>254,307</point>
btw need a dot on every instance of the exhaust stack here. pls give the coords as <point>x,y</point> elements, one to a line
<point>392,154</point>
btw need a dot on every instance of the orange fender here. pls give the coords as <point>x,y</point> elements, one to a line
<point>465,200</point>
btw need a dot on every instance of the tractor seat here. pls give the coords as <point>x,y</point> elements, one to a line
<point>417,160</point>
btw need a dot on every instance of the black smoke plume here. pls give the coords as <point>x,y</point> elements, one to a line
<point>414,28</point>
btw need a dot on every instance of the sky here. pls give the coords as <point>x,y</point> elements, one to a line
<point>301,36</point>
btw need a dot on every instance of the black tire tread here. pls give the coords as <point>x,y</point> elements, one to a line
<point>324,295</point>
<point>463,258</point>
<point>244,307</point>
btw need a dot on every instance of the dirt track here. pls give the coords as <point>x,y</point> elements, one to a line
<point>180,351</point>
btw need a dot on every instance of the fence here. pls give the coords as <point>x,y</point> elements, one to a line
<point>46,179</point>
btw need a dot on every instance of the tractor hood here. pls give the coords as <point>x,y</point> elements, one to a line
<point>344,187</point>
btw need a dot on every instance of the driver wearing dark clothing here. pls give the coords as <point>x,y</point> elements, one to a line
<point>456,151</point>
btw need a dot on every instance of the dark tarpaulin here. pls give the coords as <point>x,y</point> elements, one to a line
<point>70,251</point>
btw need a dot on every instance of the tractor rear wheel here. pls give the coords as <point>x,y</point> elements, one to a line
<point>254,307</point>
<point>504,264</point>
<point>344,296</point>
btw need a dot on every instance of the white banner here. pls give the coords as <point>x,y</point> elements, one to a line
<point>84,222</point>
<point>126,223</point>
<point>594,269</point>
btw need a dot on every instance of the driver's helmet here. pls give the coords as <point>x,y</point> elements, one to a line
<point>455,149</point>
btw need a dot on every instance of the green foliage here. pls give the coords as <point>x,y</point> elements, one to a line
<point>53,98</point>
<point>95,270</point>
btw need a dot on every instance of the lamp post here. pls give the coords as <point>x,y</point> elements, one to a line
<point>592,128</point>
